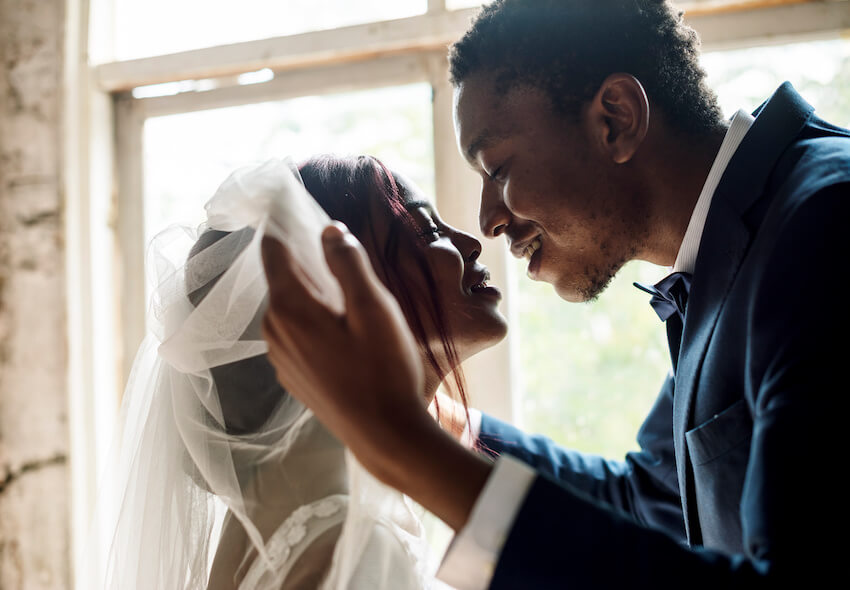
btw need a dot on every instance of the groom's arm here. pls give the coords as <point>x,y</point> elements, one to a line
<point>366,387</point>
<point>643,484</point>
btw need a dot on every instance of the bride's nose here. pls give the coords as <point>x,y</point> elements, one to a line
<point>468,246</point>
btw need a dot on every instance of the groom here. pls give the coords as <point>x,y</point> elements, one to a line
<point>598,143</point>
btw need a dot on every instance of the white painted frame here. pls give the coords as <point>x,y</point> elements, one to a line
<point>93,378</point>
<point>720,27</point>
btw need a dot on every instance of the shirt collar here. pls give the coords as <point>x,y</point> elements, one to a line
<point>686,259</point>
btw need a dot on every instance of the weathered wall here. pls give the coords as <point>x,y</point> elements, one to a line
<point>34,481</point>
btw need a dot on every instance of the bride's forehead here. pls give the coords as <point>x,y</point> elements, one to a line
<point>407,188</point>
<point>413,198</point>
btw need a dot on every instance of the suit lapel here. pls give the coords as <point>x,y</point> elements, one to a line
<point>722,248</point>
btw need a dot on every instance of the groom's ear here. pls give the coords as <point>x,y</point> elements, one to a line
<point>618,117</point>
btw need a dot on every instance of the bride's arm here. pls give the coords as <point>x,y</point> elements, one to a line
<point>230,553</point>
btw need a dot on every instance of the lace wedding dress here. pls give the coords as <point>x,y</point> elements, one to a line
<point>393,552</point>
<point>182,461</point>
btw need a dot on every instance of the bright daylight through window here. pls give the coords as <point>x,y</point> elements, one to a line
<point>588,373</point>
<point>188,155</point>
<point>584,375</point>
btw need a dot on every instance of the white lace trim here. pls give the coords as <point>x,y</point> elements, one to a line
<point>286,539</point>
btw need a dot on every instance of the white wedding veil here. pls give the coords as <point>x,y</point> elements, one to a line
<point>208,442</point>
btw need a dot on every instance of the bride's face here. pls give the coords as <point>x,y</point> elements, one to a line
<point>470,304</point>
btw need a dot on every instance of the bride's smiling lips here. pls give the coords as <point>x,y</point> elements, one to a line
<point>476,284</point>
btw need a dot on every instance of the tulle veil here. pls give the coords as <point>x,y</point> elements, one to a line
<point>177,468</point>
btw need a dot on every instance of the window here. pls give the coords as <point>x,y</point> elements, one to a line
<point>583,374</point>
<point>186,156</point>
<point>819,70</point>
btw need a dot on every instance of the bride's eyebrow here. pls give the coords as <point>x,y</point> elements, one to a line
<point>422,204</point>
<point>419,204</point>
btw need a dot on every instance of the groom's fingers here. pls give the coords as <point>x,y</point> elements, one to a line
<point>290,297</point>
<point>350,264</point>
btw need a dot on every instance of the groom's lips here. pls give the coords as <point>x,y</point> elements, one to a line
<point>519,248</point>
<point>529,249</point>
<point>534,263</point>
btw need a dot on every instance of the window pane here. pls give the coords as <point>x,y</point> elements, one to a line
<point>187,156</point>
<point>819,70</point>
<point>592,371</point>
<point>157,27</point>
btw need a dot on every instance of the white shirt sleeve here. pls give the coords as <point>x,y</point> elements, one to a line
<point>471,558</point>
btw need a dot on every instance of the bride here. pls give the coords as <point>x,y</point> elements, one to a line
<point>222,480</point>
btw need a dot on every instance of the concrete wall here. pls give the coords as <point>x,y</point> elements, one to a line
<point>34,479</point>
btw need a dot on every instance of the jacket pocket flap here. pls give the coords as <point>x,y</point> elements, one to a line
<point>722,432</point>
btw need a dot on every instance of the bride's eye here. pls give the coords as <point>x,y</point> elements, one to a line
<point>431,233</point>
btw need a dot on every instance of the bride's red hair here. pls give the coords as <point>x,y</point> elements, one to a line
<point>352,190</point>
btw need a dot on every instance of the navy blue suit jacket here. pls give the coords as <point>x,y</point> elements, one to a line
<point>740,475</point>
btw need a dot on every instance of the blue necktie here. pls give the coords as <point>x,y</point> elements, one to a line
<point>669,295</point>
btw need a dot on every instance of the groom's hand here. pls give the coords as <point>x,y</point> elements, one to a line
<point>314,350</point>
<point>361,375</point>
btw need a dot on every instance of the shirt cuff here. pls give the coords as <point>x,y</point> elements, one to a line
<point>471,558</point>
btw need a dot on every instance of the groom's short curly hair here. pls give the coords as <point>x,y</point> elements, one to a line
<point>568,47</point>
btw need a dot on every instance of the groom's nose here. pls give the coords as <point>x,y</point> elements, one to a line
<point>493,216</point>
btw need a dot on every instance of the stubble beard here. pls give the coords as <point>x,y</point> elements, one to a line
<point>598,280</point>
<point>599,277</point>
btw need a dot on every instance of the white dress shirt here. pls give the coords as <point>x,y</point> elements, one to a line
<point>687,257</point>
<point>471,559</point>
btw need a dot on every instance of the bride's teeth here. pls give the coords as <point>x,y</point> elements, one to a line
<point>533,247</point>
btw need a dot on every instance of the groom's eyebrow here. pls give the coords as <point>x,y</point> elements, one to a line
<point>482,141</point>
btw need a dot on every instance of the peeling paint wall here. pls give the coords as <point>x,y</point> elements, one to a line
<point>34,480</point>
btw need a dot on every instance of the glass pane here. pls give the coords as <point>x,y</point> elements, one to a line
<point>591,371</point>
<point>819,70</point>
<point>187,156</point>
<point>157,27</point>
